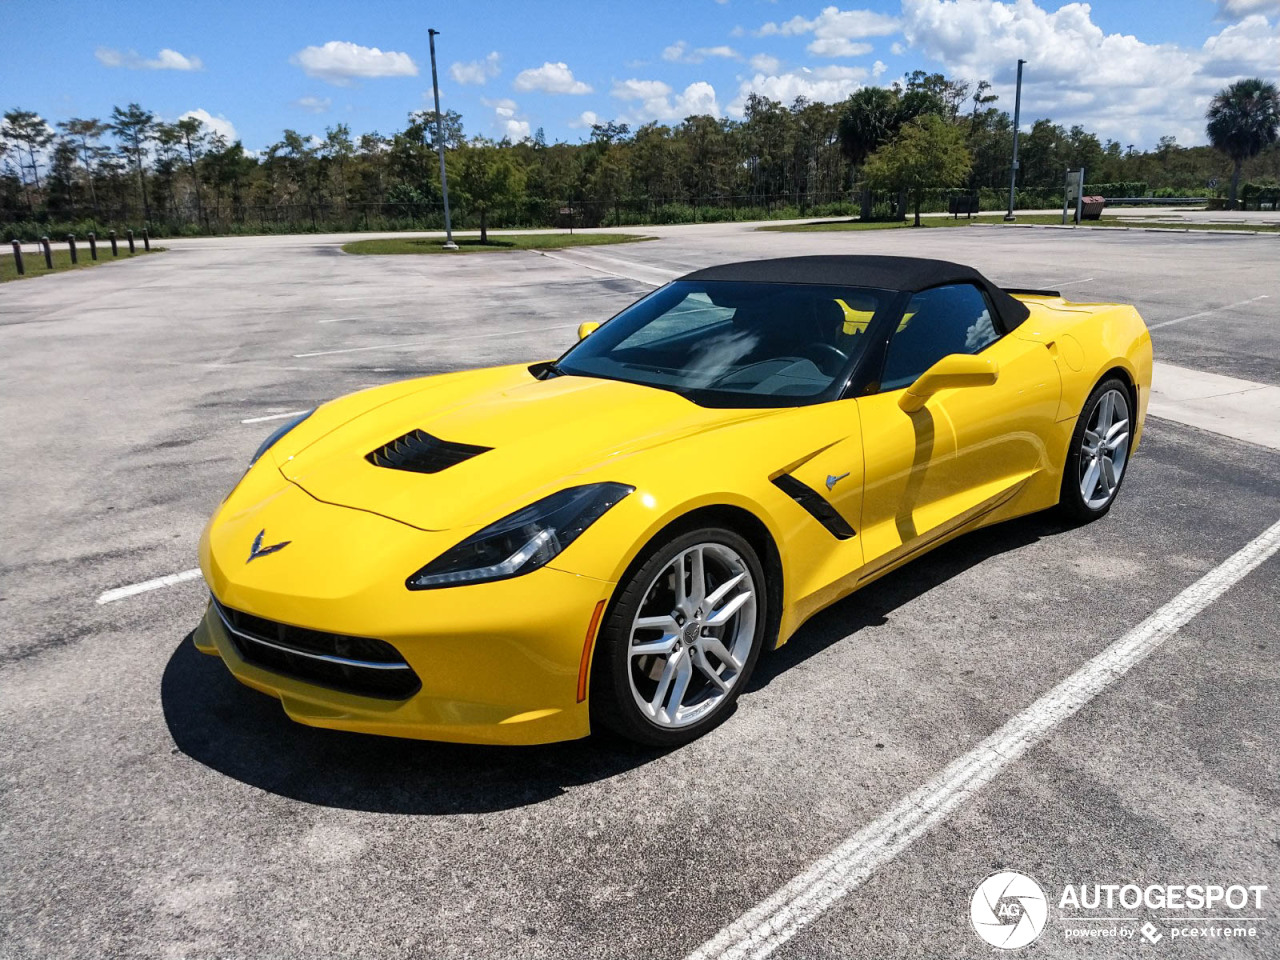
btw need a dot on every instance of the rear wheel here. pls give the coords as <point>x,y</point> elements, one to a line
<point>1099,452</point>
<point>681,639</point>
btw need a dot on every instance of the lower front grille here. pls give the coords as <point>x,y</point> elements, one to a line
<point>359,665</point>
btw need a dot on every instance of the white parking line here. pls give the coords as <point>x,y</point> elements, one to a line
<point>274,416</point>
<point>341,319</point>
<point>777,919</point>
<point>119,593</point>
<point>1205,313</point>
<point>608,273</point>
<point>423,343</point>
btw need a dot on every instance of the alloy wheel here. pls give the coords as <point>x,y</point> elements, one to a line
<point>1104,449</point>
<point>692,635</point>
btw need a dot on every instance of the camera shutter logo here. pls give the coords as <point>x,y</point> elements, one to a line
<point>1008,910</point>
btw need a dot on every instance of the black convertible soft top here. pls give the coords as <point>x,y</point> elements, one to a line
<point>906,274</point>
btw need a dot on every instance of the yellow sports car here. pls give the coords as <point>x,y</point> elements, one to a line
<point>521,554</point>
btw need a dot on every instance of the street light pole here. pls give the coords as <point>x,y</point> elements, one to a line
<point>444,182</point>
<point>1017,116</point>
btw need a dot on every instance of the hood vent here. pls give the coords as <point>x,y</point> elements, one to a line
<point>420,452</point>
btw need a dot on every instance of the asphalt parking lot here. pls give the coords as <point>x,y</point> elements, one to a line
<point>151,806</point>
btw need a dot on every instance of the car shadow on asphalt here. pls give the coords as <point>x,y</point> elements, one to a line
<point>871,606</point>
<point>245,735</point>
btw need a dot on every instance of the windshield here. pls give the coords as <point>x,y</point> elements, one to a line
<point>735,344</point>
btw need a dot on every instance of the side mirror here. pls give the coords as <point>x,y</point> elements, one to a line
<point>952,371</point>
<point>586,329</point>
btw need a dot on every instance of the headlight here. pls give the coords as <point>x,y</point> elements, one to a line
<point>523,541</point>
<point>276,434</point>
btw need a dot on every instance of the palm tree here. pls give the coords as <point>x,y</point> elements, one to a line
<point>868,120</point>
<point>1243,120</point>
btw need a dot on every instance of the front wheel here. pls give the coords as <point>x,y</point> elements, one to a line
<point>681,639</point>
<point>1099,452</point>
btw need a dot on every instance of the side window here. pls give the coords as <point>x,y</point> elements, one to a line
<point>937,322</point>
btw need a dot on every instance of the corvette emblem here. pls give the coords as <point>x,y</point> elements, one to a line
<point>832,481</point>
<point>258,550</point>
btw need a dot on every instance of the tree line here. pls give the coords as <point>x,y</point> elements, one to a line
<point>920,140</point>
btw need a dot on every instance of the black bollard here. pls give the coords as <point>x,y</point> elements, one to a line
<point>71,245</point>
<point>48,253</point>
<point>146,240</point>
<point>132,251</point>
<point>115,251</point>
<point>17,258</point>
<point>93,246</point>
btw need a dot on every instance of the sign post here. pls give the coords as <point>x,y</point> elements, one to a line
<point>1074,192</point>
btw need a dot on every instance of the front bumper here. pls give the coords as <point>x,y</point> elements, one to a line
<point>498,662</point>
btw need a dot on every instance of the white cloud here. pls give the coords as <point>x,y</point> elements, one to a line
<point>1251,46</point>
<point>339,62</point>
<point>504,108</point>
<point>835,31</point>
<point>587,118</point>
<point>698,98</point>
<point>640,89</point>
<point>166,59</point>
<point>1110,83</point>
<point>507,116</point>
<point>218,125</point>
<point>1239,9</point>
<point>550,78</point>
<point>654,101</point>
<point>838,47</point>
<point>897,49</point>
<point>476,72</point>
<point>679,52</point>
<point>313,104</point>
<point>823,84</point>
<point>517,130</point>
<point>877,69</point>
<point>764,63</point>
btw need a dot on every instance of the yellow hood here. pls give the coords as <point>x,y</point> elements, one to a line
<point>541,433</point>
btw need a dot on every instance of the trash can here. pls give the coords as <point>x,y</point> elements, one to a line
<point>1091,208</point>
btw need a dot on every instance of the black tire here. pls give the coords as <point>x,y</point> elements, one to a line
<point>1072,503</point>
<point>612,702</point>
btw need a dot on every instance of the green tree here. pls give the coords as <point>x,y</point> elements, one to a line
<point>934,93</point>
<point>192,137</point>
<point>928,152</point>
<point>60,183</point>
<point>167,142</point>
<point>135,127</point>
<point>868,120</point>
<point>27,130</point>
<point>490,178</point>
<point>87,137</point>
<point>228,170</point>
<point>1243,119</point>
<point>338,150</point>
<point>422,128</point>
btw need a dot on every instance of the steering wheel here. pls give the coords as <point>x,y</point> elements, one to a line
<point>829,359</point>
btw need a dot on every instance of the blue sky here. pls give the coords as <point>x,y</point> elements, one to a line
<point>1133,71</point>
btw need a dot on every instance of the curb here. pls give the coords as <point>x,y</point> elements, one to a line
<point>1069,226</point>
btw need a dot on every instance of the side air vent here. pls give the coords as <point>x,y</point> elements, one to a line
<point>815,504</point>
<point>420,452</point>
